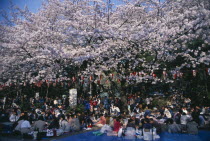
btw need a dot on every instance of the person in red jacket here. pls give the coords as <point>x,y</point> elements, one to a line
<point>117,125</point>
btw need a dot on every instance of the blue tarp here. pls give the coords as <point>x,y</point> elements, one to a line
<point>89,136</point>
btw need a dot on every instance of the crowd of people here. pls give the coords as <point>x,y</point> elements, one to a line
<point>111,114</point>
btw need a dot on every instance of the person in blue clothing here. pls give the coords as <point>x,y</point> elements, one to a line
<point>87,107</point>
<point>147,112</point>
<point>147,124</point>
<point>106,103</point>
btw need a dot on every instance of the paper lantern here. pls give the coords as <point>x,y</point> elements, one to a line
<point>101,77</point>
<point>91,78</point>
<point>174,76</point>
<point>208,71</point>
<point>194,73</point>
<point>164,74</point>
<point>73,79</point>
<point>98,82</point>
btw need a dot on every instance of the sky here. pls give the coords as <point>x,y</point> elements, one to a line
<point>33,5</point>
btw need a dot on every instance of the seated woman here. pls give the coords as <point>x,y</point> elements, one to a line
<point>102,121</point>
<point>40,124</point>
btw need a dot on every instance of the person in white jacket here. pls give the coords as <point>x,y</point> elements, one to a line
<point>184,118</point>
<point>13,117</point>
<point>167,113</point>
<point>114,110</point>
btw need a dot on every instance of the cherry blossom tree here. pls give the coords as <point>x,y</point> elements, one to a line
<point>142,34</point>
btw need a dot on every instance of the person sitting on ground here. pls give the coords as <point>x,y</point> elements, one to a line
<point>25,126</point>
<point>54,124</point>
<point>93,118</point>
<point>147,125</point>
<point>102,121</point>
<point>64,125</point>
<point>184,109</point>
<point>75,124</point>
<point>192,127</point>
<point>88,121</point>
<point>117,125</point>
<point>173,127</point>
<point>195,115</point>
<point>177,116</point>
<point>131,122</point>
<point>40,124</point>
<point>20,121</point>
<point>184,119</point>
<point>167,113</point>
<point>107,119</point>
<point>13,117</point>
<point>116,110</point>
<point>156,125</point>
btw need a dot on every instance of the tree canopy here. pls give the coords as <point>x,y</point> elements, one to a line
<point>93,37</point>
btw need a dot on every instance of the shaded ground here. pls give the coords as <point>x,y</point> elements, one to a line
<point>11,137</point>
<point>204,135</point>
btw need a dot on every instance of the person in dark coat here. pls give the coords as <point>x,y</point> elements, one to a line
<point>54,123</point>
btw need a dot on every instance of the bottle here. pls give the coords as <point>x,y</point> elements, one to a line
<point>140,132</point>
<point>38,135</point>
<point>154,131</point>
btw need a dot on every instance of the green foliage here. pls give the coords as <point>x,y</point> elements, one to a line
<point>38,105</point>
<point>159,102</point>
<point>25,106</point>
<point>78,109</point>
